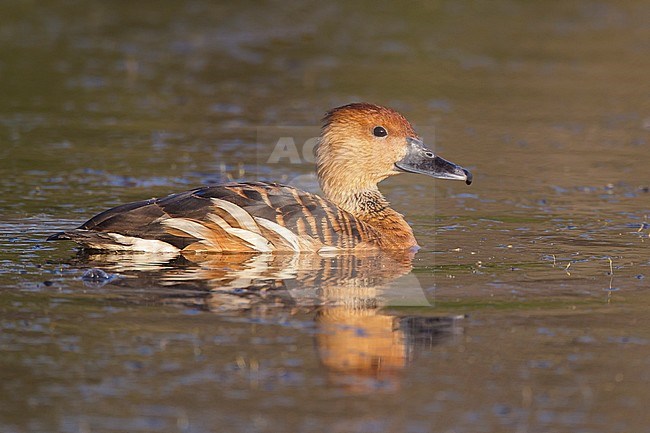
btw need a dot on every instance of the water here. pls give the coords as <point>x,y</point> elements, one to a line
<point>525,310</point>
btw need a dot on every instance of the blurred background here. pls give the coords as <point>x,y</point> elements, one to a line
<point>547,103</point>
<point>532,94</point>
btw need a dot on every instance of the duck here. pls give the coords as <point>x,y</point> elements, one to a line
<point>360,145</point>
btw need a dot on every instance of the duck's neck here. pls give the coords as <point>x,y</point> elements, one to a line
<point>351,183</point>
<point>370,206</point>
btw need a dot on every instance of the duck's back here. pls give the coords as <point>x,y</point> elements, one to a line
<point>235,217</point>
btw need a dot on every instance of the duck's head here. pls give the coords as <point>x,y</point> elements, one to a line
<point>362,144</point>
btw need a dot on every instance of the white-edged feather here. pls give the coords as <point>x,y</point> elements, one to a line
<point>296,242</point>
<point>195,229</point>
<point>219,221</point>
<point>131,243</point>
<point>255,240</point>
<point>242,217</point>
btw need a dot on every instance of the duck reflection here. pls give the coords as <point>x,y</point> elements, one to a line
<point>367,349</point>
<point>362,305</point>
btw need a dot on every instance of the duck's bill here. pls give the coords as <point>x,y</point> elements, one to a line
<point>421,160</point>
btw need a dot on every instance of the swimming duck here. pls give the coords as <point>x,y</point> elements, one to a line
<point>360,145</point>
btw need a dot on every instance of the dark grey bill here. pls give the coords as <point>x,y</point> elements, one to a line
<point>421,160</point>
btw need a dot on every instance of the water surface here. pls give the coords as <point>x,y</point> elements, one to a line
<point>525,310</point>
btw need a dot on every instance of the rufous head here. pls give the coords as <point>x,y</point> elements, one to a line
<point>362,144</point>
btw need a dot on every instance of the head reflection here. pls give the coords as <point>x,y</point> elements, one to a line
<point>369,335</point>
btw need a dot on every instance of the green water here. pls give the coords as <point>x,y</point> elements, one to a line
<point>510,318</point>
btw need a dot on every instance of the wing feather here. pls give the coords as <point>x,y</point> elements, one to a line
<point>254,216</point>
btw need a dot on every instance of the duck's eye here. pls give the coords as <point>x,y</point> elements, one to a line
<point>379,131</point>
